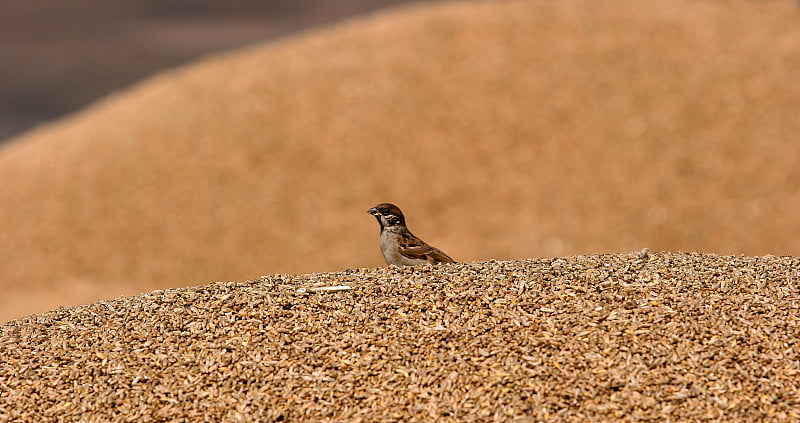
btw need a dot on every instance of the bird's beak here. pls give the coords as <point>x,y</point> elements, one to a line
<point>373,211</point>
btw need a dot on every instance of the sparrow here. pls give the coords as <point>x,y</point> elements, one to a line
<point>399,246</point>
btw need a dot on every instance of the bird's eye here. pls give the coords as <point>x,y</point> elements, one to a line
<point>384,211</point>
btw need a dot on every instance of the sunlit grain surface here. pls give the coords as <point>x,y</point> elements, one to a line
<point>671,337</point>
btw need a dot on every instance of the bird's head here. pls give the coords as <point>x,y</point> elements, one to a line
<point>388,215</point>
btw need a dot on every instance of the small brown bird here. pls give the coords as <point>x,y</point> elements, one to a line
<point>398,245</point>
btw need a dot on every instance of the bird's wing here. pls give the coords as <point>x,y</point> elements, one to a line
<point>415,248</point>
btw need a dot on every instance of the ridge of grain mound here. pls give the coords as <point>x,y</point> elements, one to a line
<point>584,126</point>
<point>669,336</point>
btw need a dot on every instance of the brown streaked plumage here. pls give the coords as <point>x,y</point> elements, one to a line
<point>398,245</point>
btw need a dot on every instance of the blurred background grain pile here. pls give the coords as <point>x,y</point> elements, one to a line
<point>504,129</point>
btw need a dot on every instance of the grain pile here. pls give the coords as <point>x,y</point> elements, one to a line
<point>667,336</point>
<point>587,126</point>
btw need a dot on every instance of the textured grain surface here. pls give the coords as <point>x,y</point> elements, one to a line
<point>504,130</point>
<point>612,337</point>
